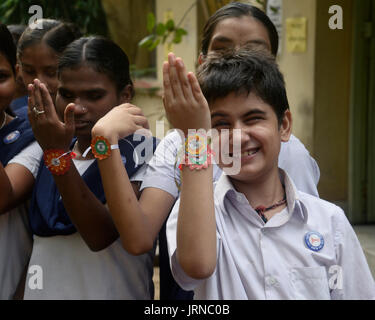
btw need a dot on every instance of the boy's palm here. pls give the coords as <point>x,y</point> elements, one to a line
<point>184,103</point>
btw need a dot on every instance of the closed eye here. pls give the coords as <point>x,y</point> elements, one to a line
<point>65,94</point>
<point>95,96</point>
<point>221,124</point>
<point>253,119</point>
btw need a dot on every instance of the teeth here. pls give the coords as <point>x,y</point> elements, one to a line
<point>243,154</point>
<point>249,153</point>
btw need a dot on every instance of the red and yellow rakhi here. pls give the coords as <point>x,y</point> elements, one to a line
<point>58,161</point>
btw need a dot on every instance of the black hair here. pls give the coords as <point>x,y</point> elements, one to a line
<point>16,30</point>
<point>56,34</point>
<point>8,50</point>
<point>103,55</point>
<point>7,47</point>
<point>244,71</point>
<point>236,10</point>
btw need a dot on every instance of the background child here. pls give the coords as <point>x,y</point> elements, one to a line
<point>15,135</point>
<point>257,237</point>
<point>38,51</point>
<point>90,85</point>
<point>20,97</point>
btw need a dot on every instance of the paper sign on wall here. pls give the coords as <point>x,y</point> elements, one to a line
<point>296,35</point>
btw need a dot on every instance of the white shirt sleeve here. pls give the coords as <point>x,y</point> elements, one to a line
<point>29,158</point>
<point>300,166</point>
<point>162,171</point>
<point>140,174</point>
<point>354,278</point>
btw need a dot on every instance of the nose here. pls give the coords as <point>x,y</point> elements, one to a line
<point>240,134</point>
<point>79,107</point>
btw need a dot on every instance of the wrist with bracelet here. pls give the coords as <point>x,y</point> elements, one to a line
<point>101,148</point>
<point>197,152</point>
<point>58,161</point>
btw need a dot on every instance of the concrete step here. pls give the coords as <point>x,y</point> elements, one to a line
<point>366,236</point>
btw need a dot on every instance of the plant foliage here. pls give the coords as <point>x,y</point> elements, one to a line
<point>87,14</point>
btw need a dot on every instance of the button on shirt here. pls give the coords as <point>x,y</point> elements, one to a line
<point>257,260</point>
<point>163,172</point>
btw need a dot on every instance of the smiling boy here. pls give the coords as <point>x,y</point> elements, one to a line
<point>255,236</point>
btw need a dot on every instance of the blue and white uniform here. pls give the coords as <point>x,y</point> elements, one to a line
<point>70,270</point>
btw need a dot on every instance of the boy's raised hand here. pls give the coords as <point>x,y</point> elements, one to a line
<point>48,130</point>
<point>184,103</point>
<point>121,122</point>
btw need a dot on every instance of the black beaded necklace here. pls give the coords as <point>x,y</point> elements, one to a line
<point>262,209</point>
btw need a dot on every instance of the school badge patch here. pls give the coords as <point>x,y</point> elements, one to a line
<point>314,241</point>
<point>12,137</point>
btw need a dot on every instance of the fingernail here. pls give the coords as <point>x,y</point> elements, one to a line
<point>171,59</point>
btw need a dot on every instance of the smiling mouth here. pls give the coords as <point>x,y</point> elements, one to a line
<point>247,153</point>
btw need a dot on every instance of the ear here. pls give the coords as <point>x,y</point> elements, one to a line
<point>127,94</point>
<point>286,126</point>
<point>18,72</point>
<point>200,58</point>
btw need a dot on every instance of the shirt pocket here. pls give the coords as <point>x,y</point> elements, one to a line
<point>310,283</point>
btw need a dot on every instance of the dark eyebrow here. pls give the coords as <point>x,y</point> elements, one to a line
<point>96,90</point>
<point>247,114</point>
<point>218,114</point>
<point>26,65</point>
<point>221,39</point>
<point>254,112</point>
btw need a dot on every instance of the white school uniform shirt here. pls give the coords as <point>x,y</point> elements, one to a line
<point>70,270</point>
<point>272,261</point>
<point>15,240</point>
<point>163,173</point>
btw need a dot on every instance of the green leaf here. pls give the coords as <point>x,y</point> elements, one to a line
<point>150,22</point>
<point>177,39</point>
<point>181,32</point>
<point>154,45</point>
<point>147,41</point>
<point>170,25</point>
<point>9,12</point>
<point>274,9</point>
<point>161,29</point>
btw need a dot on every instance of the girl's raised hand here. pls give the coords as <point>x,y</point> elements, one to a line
<point>184,102</point>
<point>49,131</point>
<point>121,122</point>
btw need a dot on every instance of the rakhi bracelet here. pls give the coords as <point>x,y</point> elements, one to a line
<point>58,161</point>
<point>101,148</point>
<point>197,152</point>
